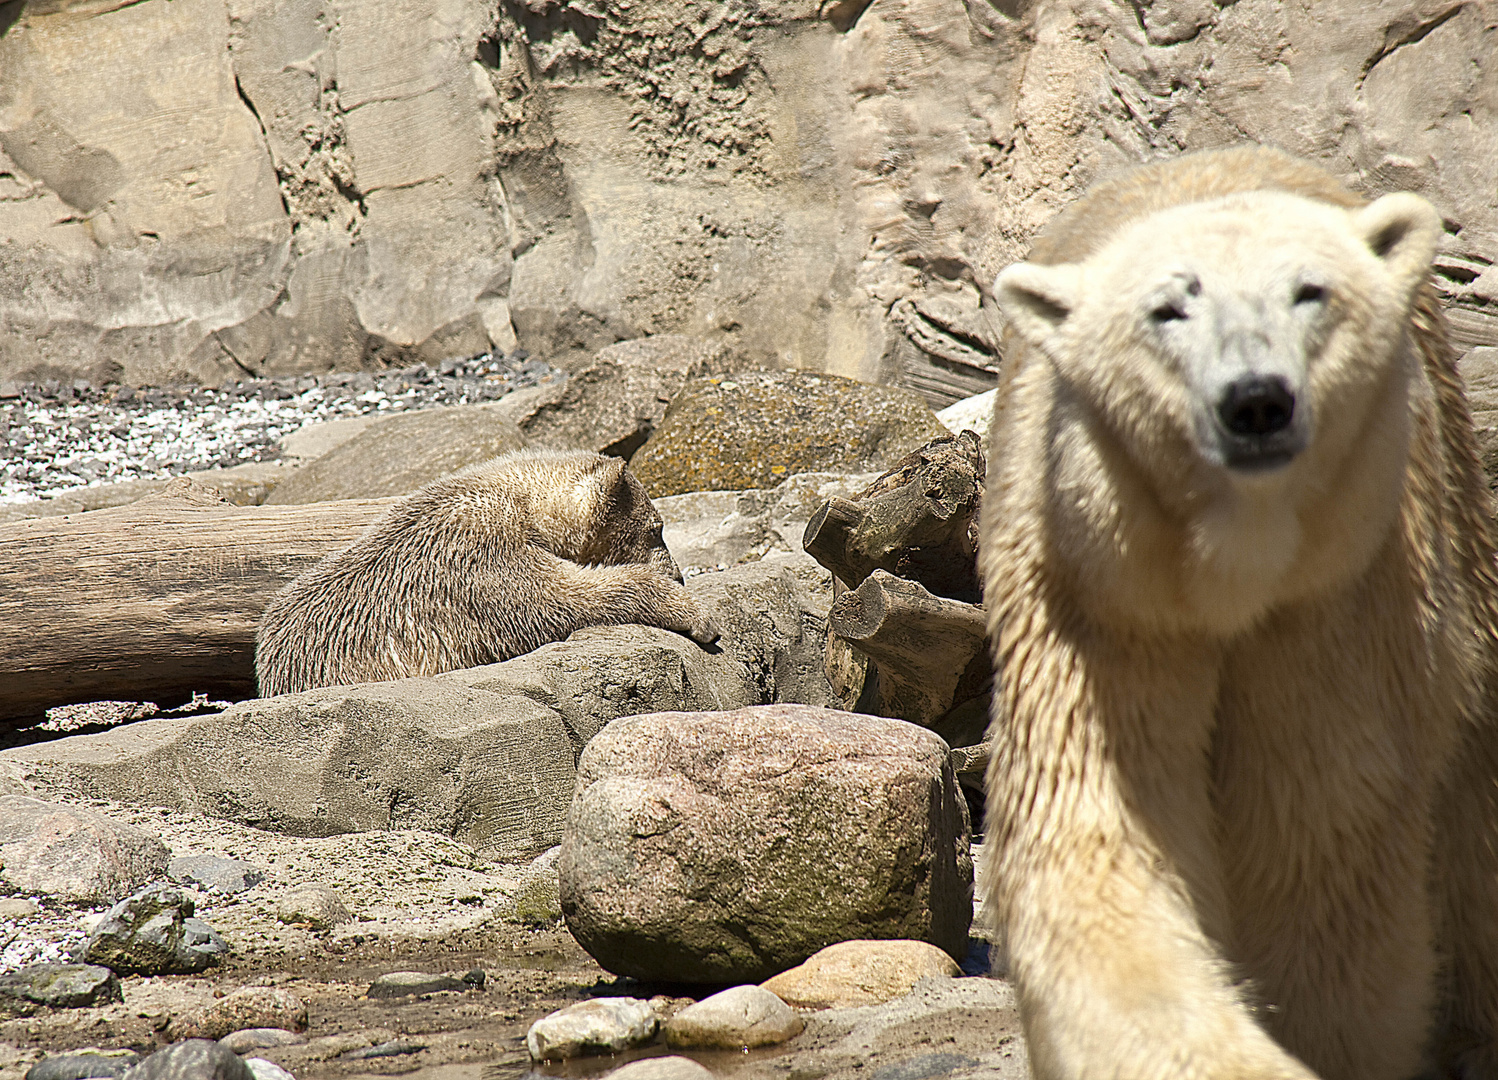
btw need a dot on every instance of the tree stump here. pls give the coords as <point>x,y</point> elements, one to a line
<point>907,636</point>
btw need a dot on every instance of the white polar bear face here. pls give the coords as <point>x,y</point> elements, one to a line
<point>1231,401</point>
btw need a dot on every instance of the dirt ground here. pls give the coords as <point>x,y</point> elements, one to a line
<point>422,902</point>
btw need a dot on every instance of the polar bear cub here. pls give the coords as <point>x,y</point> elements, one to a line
<point>1241,589</point>
<point>480,566</point>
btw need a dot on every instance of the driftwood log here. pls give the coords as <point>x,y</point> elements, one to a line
<point>906,637</point>
<point>151,601</point>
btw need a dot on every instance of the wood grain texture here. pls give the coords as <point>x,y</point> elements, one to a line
<point>151,601</point>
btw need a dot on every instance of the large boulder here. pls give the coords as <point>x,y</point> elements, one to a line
<point>615,403</point>
<point>397,454</point>
<point>717,847</point>
<point>153,932</point>
<point>72,854</point>
<point>486,755</point>
<point>753,429</point>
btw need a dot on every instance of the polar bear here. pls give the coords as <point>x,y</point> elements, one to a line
<point>1241,590</point>
<point>480,566</point>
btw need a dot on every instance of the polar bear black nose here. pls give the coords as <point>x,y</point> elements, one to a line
<point>1256,405</point>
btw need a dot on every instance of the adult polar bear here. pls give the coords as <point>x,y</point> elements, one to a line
<point>1241,590</point>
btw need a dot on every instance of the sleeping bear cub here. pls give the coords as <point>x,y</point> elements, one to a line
<point>479,567</point>
<point>1241,591</point>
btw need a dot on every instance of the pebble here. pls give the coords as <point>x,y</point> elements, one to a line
<point>56,437</point>
<point>18,907</point>
<point>249,1007</point>
<point>260,1038</point>
<point>195,1059</point>
<point>853,973</point>
<point>409,983</point>
<point>84,1065</point>
<point>58,986</point>
<point>662,1068</point>
<point>213,874</point>
<point>317,906</point>
<point>741,1017</point>
<point>598,1026</point>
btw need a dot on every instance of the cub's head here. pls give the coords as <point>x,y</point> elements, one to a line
<point>1246,360</point>
<point>591,509</point>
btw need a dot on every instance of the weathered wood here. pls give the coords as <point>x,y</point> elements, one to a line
<point>927,649</point>
<point>154,600</point>
<point>918,521</point>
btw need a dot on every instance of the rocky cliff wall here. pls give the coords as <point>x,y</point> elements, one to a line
<point>200,188</point>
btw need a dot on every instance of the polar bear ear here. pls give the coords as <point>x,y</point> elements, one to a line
<point>1403,230</point>
<point>1038,299</point>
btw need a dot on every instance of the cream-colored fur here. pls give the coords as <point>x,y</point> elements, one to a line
<point>1241,817</point>
<point>478,567</point>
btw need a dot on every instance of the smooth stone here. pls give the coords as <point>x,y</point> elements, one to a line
<point>316,905</point>
<point>58,986</point>
<point>195,1059</point>
<point>260,1038</point>
<point>393,1048</point>
<point>15,907</point>
<point>599,1026</point>
<point>741,1017</point>
<point>661,1068</point>
<point>709,847</point>
<point>214,874</point>
<point>84,1066</point>
<point>853,973</point>
<point>408,983</point>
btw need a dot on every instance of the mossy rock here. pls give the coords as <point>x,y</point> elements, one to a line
<point>753,429</point>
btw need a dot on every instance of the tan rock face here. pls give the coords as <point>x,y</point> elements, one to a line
<point>194,188</point>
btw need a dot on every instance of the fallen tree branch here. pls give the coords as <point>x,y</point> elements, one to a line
<point>154,600</point>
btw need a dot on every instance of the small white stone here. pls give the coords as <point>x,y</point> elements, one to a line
<point>599,1026</point>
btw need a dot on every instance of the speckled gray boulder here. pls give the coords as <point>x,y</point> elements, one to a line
<point>74,854</point>
<point>214,874</point>
<point>153,932</point>
<point>719,847</point>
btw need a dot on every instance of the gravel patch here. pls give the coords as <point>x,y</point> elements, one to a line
<point>57,437</point>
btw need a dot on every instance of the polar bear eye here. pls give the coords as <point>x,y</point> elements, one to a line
<point>1170,311</point>
<point>1310,293</point>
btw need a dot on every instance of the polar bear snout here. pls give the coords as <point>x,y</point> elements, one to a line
<point>1256,418</point>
